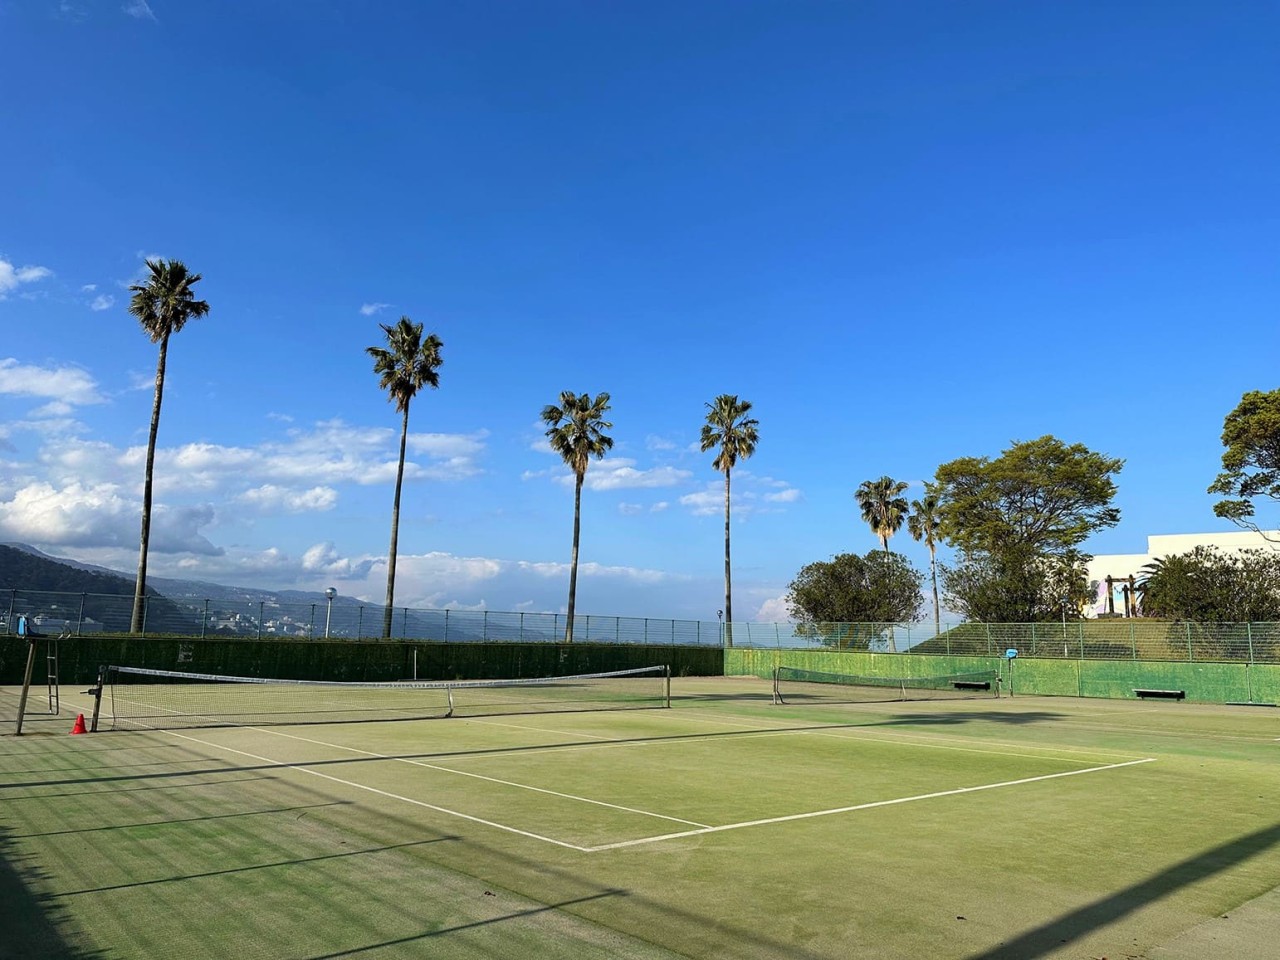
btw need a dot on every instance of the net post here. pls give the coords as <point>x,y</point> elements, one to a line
<point>97,698</point>
<point>449,693</point>
<point>777,694</point>
<point>667,685</point>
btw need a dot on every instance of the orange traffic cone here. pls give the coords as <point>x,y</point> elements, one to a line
<point>79,727</point>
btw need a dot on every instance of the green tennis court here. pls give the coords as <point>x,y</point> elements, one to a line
<point>725,826</point>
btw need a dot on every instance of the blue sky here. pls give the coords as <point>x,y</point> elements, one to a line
<point>907,232</point>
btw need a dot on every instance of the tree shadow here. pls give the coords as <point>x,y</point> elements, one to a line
<point>32,925</point>
<point>1076,924</point>
<point>948,719</point>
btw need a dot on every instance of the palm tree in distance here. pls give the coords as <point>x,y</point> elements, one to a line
<point>733,435</point>
<point>163,305</point>
<point>883,506</point>
<point>576,431</point>
<point>408,363</point>
<point>924,524</point>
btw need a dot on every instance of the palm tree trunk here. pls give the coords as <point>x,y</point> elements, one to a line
<point>573,564</point>
<point>728,589</point>
<point>140,588</point>
<point>395,532</point>
<point>933,568</point>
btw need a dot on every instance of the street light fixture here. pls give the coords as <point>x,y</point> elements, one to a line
<point>720,620</point>
<point>329,594</point>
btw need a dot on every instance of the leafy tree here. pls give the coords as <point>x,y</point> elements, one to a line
<point>1017,585</point>
<point>924,524</point>
<point>852,600</point>
<point>163,305</point>
<point>576,430</point>
<point>1251,462</point>
<point>733,435</point>
<point>407,364</point>
<point>883,507</point>
<point>1207,586</point>
<point>1039,496</point>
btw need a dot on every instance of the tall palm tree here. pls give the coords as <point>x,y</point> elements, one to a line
<point>924,523</point>
<point>163,305</point>
<point>733,435</point>
<point>883,506</point>
<point>408,363</point>
<point>576,431</point>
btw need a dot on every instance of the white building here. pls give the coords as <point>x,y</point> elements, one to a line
<point>1121,566</point>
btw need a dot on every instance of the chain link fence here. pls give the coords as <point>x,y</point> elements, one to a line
<point>81,614</point>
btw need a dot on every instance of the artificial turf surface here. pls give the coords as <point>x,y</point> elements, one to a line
<point>724,827</point>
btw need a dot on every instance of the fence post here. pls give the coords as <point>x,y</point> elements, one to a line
<point>446,625</point>
<point>1080,632</point>
<point>404,624</point>
<point>522,626</point>
<point>80,622</point>
<point>484,625</point>
<point>360,621</point>
<point>617,629</point>
<point>646,629</point>
<point>146,608</point>
<point>989,653</point>
<point>260,615</point>
<point>1190,658</point>
<point>311,627</point>
<point>1133,640</point>
<point>1248,632</point>
<point>204,618</point>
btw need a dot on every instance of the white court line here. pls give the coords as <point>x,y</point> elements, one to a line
<point>860,806</point>
<point>478,776</point>
<point>382,793</point>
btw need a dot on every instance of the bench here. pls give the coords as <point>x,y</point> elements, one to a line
<point>1143,694</point>
<point>971,684</point>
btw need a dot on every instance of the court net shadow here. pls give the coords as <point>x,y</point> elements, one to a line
<point>1072,926</point>
<point>970,716</point>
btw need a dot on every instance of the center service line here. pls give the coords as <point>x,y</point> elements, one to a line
<point>860,806</point>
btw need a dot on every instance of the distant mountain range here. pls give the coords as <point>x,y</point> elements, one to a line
<point>24,566</point>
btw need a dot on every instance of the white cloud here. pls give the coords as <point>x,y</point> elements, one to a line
<point>69,385</point>
<point>369,309</point>
<point>270,498</point>
<point>659,506</point>
<point>102,301</point>
<point>139,9</point>
<point>773,610</point>
<point>617,473</point>
<point>324,558</point>
<point>790,495</point>
<point>53,409</point>
<point>12,277</point>
<point>751,495</point>
<point>630,509</point>
<point>653,442</point>
<point>89,288</point>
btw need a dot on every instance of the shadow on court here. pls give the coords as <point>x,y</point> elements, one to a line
<point>32,925</point>
<point>1071,926</point>
<point>975,716</point>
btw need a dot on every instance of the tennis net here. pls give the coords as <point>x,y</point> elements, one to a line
<point>793,685</point>
<point>139,698</point>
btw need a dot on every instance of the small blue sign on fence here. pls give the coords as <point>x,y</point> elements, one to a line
<point>1010,653</point>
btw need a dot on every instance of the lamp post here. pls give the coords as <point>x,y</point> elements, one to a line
<point>1065,601</point>
<point>720,620</point>
<point>329,594</point>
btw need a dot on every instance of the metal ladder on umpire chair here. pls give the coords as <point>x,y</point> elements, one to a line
<point>51,672</point>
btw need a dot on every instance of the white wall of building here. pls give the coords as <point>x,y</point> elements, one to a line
<point>1121,565</point>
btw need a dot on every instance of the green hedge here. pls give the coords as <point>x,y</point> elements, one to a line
<point>371,660</point>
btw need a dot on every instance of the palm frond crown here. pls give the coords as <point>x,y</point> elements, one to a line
<point>166,301</point>
<point>883,507</point>
<point>576,429</point>
<point>730,429</point>
<point>407,363</point>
